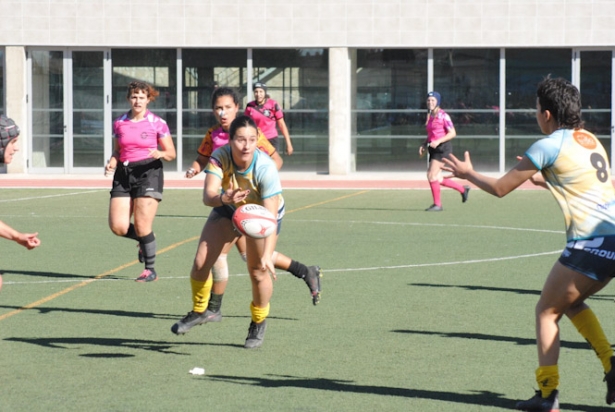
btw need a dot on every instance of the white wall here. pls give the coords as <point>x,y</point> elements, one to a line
<point>308,23</point>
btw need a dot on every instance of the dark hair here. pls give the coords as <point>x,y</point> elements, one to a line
<point>563,100</point>
<point>148,89</point>
<point>224,91</point>
<point>238,123</point>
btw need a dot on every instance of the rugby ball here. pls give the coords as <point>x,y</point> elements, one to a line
<point>254,221</point>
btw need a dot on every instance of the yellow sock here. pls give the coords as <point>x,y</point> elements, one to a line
<point>200,293</point>
<point>589,327</point>
<point>548,379</point>
<point>259,314</point>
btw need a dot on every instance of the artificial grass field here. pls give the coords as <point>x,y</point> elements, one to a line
<point>419,312</point>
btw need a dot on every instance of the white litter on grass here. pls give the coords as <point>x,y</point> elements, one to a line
<point>197,371</point>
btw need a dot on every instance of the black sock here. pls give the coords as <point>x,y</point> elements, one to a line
<point>298,269</point>
<point>215,302</point>
<point>131,234</point>
<point>148,248</point>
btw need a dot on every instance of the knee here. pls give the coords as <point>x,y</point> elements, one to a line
<point>220,269</point>
<point>118,230</point>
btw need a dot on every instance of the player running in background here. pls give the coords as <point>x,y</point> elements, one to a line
<point>440,132</point>
<point>142,141</point>
<point>9,134</point>
<point>225,105</point>
<point>574,166</point>
<point>237,173</point>
<point>267,114</point>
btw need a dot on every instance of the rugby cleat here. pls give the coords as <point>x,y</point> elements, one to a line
<point>148,275</point>
<point>464,195</point>
<point>193,319</point>
<point>609,378</point>
<point>434,208</point>
<point>312,279</point>
<point>256,335</point>
<point>539,404</point>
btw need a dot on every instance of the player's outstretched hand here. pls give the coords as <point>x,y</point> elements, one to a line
<point>457,167</point>
<point>28,240</point>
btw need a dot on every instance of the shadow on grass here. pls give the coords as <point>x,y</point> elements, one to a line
<point>138,344</point>
<point>491,338</point>
<point>276,381</point>
<point>121,313</point>
<point>499,289</point>
<point>482,398</point>
<point>45,274</point>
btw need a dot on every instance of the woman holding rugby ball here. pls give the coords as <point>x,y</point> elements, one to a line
<point>237,173</point>
<point>225,105</point>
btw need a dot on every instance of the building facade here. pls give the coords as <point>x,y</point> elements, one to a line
<point>350,75</point>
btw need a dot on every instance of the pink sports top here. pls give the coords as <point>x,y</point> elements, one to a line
<point>136,139</point>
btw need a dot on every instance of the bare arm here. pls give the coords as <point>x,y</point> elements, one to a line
<point>213,197</point>
<point>166,151</point>
<point>537,179</point>
<point>197,166</point>
<point>284,130</point>
<point>27,240</point>
<point>115,158</point>
<point>277,159</point>
<point>499,187</point>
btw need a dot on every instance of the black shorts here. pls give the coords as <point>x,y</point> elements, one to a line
<point>275,142</point>
<point>441,151</point>
<point>138,179</point>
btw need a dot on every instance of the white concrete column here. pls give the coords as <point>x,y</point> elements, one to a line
<point>16,107</point>
<point>341,156</point>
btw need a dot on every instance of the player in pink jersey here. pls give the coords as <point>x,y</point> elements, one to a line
<point>142,141</point>
<point>440,132</point>
<point>267,114</point>
<point>9,133</point>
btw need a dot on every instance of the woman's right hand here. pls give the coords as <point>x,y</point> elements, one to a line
<point>110,166</point>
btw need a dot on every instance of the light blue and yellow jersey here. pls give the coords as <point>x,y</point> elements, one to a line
<point>261,177</point>
<point>575,167</point>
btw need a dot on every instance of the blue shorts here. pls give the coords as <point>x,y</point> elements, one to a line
<point>595,258</point>
<point>227,212</point>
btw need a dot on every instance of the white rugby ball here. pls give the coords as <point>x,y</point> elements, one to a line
<point>254,221</point>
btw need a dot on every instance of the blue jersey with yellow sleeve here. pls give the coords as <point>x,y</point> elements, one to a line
<point>575,167</point>
<point>261,177</point>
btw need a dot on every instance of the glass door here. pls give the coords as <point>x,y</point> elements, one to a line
<point>88,110</point>
<point>70,110</point>
<point>47,106</point>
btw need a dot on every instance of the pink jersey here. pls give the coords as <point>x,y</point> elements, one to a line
<point>136,139</point>
<point>265,116</point>
<point>438,125</point>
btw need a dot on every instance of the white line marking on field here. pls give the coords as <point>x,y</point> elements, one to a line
<point>282,272</point>
<point>48,196</point>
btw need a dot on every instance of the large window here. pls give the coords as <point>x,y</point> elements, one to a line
<point>389,109</point>
<point>88,109</point>
<point>203,71</point>
<point>47,109</point>
<point>157,67</point>
<point>595,86</point>
<point>525,68</point>
<point>298,79</point>
<point>468,80</point>
<point>2,92</point>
